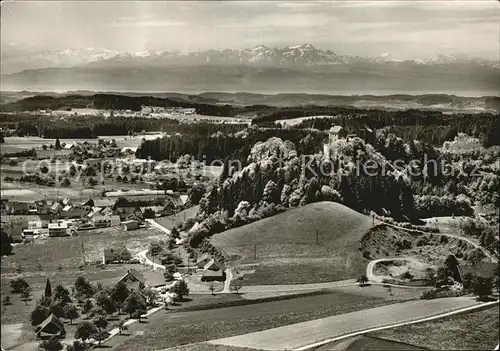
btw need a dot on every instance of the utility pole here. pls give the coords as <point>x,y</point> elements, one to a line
<point>317,237</point>
<point>254,251</point>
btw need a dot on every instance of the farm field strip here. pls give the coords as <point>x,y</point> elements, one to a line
<point>306,333</point>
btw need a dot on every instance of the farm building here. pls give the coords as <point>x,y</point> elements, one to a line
<point>203,260</point>
<point>130,225</point>
<point>117,254</point>
<point>51,326</point>
<point>213,270</point>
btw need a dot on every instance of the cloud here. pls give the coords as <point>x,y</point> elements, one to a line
<point>296,20</point>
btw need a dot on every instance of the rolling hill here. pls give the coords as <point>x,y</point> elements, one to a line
<point>315,243</point>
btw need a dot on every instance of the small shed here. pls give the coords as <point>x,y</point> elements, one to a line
<point>51,326</point>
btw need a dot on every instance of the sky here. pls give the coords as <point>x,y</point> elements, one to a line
<point>404,29</point>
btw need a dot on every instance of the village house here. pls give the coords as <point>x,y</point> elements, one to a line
<point>213,270</point>
<point>133,280</point>
<point>203,260</point>
<point>58,229</point>
<point>99,221</point>
<point>69,211</point>
<point>51,326</point>
<point>335,133</point>
<point>118,254</point>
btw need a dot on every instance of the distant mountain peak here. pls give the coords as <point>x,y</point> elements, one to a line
<point>302,55</point>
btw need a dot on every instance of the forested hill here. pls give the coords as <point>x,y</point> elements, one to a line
<point>265,108</point>
<point>115,102</point>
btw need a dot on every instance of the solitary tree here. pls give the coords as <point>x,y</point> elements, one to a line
<point>61,294</point>
<point>121,326</point>
<point>87,306</point>
<point>363,280</point>
<point>39,314</point>
<point>100,322</point>
<point>5,244</point>
<point>84,331</point>
<point>211,287</point>
<point>25,294</point>
<point>48,289</point>
<point>58,144</point>
<point>180,289</point>
<point>138,313</point>
<point>52,344</point>
<point>70,312</point>
<point>104,301</point>
<point>77,346</point>
<point>119,294</point>
<point>19,285</point>
<point>83,287</point>
<point>132,304</point>
<point>483,287</point>
<point>237,284</point>
<point>6,300</point>
<point>154,250</point>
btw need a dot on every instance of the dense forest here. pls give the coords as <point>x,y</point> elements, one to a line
<point>219,145</point>
<point>93,126</point>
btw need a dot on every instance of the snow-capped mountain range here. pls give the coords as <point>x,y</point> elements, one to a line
<point>301,55</point>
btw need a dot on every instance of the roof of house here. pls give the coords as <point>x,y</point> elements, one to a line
<point>105,202</point>
<point>210,273</point>
<point>58,225</point>
<point>335,129</point>
<point>95,210</point>
<point>211,263</point>
<point>51,320</point>
<point>55,206</point>
<point>136,275</point>
<point>154,278</point>
<point>130,221</point>
<point>203,258</point>
<point>67,208</point>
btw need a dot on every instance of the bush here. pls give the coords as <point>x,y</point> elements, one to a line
<point>440,293</point>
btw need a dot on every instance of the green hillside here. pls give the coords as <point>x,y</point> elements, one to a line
<point>314,243</point>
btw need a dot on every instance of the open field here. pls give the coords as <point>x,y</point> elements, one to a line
<point>166,329</point>
<point>171,221</point>
<point>16,144</point>
<point>303,334</point>
<point>315,243</point>
<point>61,259</point>
<point>367,343</point>
<point>476,330</point>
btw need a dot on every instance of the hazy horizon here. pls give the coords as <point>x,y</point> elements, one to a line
<point>404,30</point>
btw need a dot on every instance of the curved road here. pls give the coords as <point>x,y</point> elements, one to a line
<point>456,236</point>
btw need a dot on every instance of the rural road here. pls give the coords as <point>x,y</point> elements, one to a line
<point>144,259</point>
<point>308,333</point>
<point>450,235</point>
